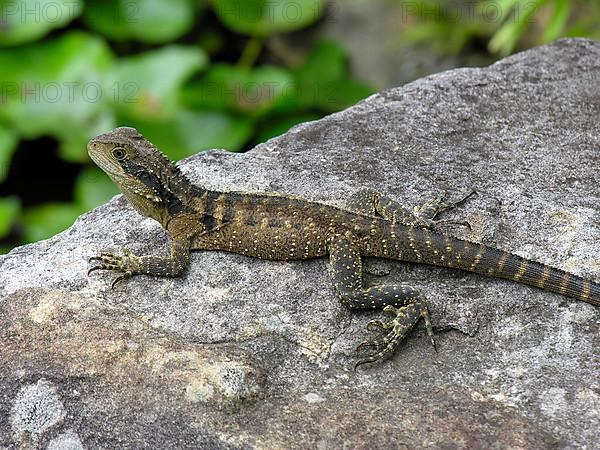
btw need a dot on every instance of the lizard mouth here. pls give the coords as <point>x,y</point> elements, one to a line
<point>107,164</point>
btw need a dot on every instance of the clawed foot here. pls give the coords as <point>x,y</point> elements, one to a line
<point>462,223</point>
<point>428,211</point>
<point>126,264</point>
<point>395,330</point>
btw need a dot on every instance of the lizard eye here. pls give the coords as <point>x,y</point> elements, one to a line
<point>119,153</point>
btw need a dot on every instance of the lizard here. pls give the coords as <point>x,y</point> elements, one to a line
<point>275,226</point>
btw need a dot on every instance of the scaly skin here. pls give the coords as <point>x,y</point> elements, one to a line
<point>281,227</point>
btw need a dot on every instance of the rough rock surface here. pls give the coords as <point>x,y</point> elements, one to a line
<point>243,353</point>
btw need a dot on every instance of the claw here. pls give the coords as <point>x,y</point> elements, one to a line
<point>368,360</point>
<point>371,344</point>
<point>451,204</point>
<point>110,261</point>
<point>102,256</point>
<point>391,310</point>
<point>404,319</point>
<point>379,356</point>
<point>377,325</point>
<point>469,192</point>
<point>119,278</point>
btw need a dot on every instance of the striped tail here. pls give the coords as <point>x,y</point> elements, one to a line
<point>506,265</point>
<point>429,247</point>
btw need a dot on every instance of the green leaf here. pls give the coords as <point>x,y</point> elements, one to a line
<point>326,63</point>
<point>73,145</point>
<point>27,21</point>
<point>147,85</point>
<point>189,132</point>
<point>151,21</point>
<point>499,10</point>
<point>9,211</point>
<point>338,95</point>
<point>267,17</point>
<point>251,92</point>
<point>323,82</point>
<point>557,20</point>
<point>43,221</point>
<point>55,88</point>
<point>93,188</point>
<point>8,145</point>
<point>506,37</point>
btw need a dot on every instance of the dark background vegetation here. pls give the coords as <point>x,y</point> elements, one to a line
<point>193,75</point>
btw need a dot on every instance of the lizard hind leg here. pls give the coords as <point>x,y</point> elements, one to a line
<point>395,330</point>
<point>373,203</point>
<point>427,212</point>
<point>404,303</point>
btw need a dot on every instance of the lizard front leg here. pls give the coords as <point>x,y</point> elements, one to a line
<point>129,264</point>
<point>404,302</point>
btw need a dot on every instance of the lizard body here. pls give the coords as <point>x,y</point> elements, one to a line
<point>281,227</point>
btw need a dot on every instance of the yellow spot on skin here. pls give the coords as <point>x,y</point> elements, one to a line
<point>219,209</point>
<point>521,271</point>
<point>502,261</point>
<point>477,258</point>
<point>585,291</point>
<point>564,283</point>
<point>544,277</point>
<point>466,246</point>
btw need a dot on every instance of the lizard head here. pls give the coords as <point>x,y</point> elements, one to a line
<point>148,179</point>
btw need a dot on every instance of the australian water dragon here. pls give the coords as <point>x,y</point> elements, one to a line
<point>282,227</point>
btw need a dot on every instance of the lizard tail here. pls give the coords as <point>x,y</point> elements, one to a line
<point>502,264</point>
<point>428,247</point>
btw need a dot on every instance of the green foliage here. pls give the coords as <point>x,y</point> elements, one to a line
<point>51,88</point>
<point>9,210</point>
<point>323,80</point>
<point>43,221</point>
<point>150,64</point>
<point>26,21</point>
<point>266,17</point>
<point>190,130</point>
<point>148,84</point>
<point>504,24</point>
<point>253,92</point>
<point>8,144</point>
<point>92,188</point>
<point>154,21</point>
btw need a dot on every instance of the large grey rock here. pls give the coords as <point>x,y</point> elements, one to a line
<point>243,353</point>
